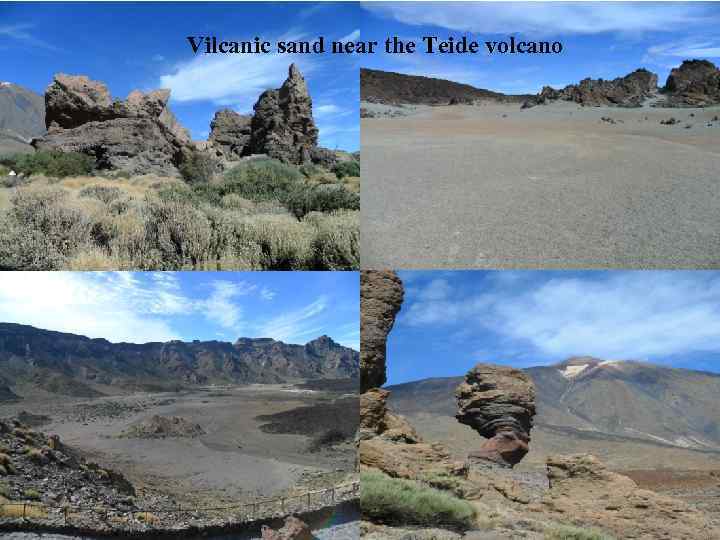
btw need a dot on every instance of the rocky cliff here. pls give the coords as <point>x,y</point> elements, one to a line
<point>138,135</point>
<point>76,365</point>
<point>628,91</point>
<point>696,83</point>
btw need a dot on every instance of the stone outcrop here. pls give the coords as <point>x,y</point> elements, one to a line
<point>499,403</point>
<point>137,135</point>
<point>230,134</point>
<point>381,295</point>
<point>696,83</point>
<point>294,529</point>
<point>628,91</point>
<point>283,126</point>
<point>582,488</point>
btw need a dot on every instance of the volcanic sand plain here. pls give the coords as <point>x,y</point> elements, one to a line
<point>252,446</point>
<point>557,186</point>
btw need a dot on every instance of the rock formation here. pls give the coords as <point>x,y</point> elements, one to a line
<point>381,294</point>
<point>283,125</point>
<point>230,134</point>
<point>294,529</point>
<point>499,403</point>
<point>138,135</point>
<point>696,83</point>
<point>581,487</point>
<point>628,91</point>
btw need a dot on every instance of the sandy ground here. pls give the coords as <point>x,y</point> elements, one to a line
<point>495,186</point>
<point>234,460</point>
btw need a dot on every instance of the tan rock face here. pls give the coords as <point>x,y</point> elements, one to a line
<point>695,83</point>
<point>381,295</point>
<point>499,403</point>
<point>584,491</point>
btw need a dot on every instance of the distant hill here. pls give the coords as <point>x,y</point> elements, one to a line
<point>586,404</point>
<point>68,364</point>
<point>395,88</point>
<point>22,117</point>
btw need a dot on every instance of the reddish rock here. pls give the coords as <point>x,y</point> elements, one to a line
<point>294,529</point>
<point>499,403</point>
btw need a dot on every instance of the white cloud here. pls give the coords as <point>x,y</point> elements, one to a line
<point>324,110</point>
<point>686,49</point>
<point>20,32</point>
<point>221,306</point>
<point>298,325</point>
<point>92,304</point>
<point>267,294</point>
<point>233,79</point>
<point>628,315</point>
<point>352,36</point>
<point>542,18</point>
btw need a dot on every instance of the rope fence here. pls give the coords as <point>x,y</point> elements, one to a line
<point>231,514</point>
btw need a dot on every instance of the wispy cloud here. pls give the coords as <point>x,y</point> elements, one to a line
<point>352,36</point>
<point>624,315</point>
<point>687,49</point>
<point>233,79</point>
<point>296,326</point>
<point>542,18</point>
<point>21,33</point>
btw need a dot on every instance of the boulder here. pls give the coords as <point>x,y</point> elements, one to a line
<point>230,134</point>
<point>696,83</point>
<point>283,126</point>
<point>138,135</point>
<point>581,487</point>
<point>381,294</point>
<point>499,403</point>
<point>294,529</point>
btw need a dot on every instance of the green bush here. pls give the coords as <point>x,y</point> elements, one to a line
<point>306,198</point>
<point>392,500</point>
<point>51,163</point>
<point>4,171</point>
<point>347,168</point>
<point>567,532</point>
<point>308,170</point>
<point>31,494</point>
<point>261,180</point>
<point>198,169</point>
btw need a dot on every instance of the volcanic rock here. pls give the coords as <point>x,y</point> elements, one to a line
<point>696,83</point>
<point>499,403</point>
<point>582,487</point>
<point>283,126</point>
<point>230,134</point>
<point>161,427</point>
<point>628,91</point>
<point>381,294</point>
<point>137,135</point>
<point>294,529</point>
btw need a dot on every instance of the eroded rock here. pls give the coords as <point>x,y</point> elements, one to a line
<point>696,83</point>
<point>499,403</point>
<point>381,295</point>
<point>294,529</point>
<point>230,134</point>
<point>283,126</point>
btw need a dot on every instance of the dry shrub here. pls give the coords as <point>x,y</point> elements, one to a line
<point>337,240</point>
<point>93,258</point>
<point>285,243</point>
<point>30,511</point>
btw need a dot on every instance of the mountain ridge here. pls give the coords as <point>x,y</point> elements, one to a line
<point>71,364</point>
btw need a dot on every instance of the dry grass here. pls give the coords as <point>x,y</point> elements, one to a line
<point>26,510</point>
<point>87,223</point>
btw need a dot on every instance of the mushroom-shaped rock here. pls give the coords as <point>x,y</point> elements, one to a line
<point>499,403</point>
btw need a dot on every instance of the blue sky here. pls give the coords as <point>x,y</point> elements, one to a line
<point>138,307</point>
<point>143,45</point>
<point>601,40</point>
<point>451,320</point>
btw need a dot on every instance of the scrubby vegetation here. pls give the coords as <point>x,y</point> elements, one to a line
<point>57,164</point>
<point>395,501</point>
<point>567,532</point>
<point>347,168</point>
<point>262,214</point>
